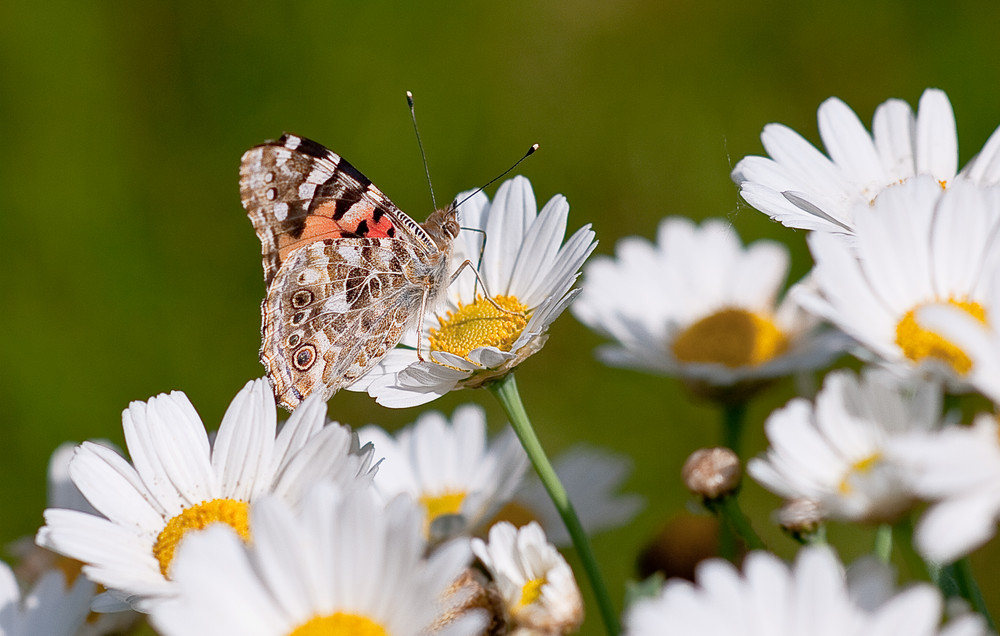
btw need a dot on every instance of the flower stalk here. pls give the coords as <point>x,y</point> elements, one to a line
<point>505,390</point>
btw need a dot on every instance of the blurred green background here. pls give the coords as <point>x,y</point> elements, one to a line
<point>133,270</point>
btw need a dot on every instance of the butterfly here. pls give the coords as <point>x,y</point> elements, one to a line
<point>347,272</point>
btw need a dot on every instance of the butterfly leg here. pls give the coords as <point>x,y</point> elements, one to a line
<point>486,292</point>
<point>420,322</point>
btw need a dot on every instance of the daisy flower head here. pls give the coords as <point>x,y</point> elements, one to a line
<point>49,608</point>
<point>837,453</point>
<point>921,246</point>
<point>813,596</point>
<point>699,305</point>
<point>340,563</point>
<point>592,477</point>
<point>802,188</point>
<point>536,585</point>
<point>36,562</point>
<point>526,268</point>
<point>181,481</point>
<point>459,476</point>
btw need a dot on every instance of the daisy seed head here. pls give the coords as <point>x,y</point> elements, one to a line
<point>228,511</point>
<point>731,337</point>
<point>919,343</point>
<point>712,472</point>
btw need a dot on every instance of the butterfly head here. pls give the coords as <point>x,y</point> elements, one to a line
<point>443,227</point>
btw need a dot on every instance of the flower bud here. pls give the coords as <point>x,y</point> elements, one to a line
<point>712,472</point>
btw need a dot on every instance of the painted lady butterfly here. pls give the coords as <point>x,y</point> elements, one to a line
<point>347,272</point>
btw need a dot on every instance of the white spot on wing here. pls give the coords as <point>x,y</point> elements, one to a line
<point>292,142</point>
<point>306,190</point>
<point>337,304</point>
<point>308,276</point>
<point>281,210</point>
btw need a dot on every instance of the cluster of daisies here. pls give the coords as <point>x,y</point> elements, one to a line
<point>906,277</point>
<point>310,527</point>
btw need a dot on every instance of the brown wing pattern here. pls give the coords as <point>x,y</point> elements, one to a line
<point>297,192</point>
<point>333,310</point>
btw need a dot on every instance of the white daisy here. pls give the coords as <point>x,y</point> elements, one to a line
<point>922,246</point>
<point>699,305</point>
<point>459,477</point>
<point>811,597</point>
<point>539,593</point>
<point>800,187</point>
<point>338,564</point>
<point>592,477</point>
<point>837,453</point>
<point>959,469</point>
<point>528,271</point>
<point>35,562</point>
<point>180,481</point>
<point>48,609</point>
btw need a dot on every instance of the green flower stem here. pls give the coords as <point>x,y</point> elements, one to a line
<point>883,543</point>
<point>732,425</point>
<point>960,573</point>
<point>732,519</point>
<point>505,390</point>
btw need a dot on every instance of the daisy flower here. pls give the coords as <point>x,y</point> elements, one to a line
<point>536,585</point>
<point>36,562</point>
<point>700,306</point>
<point>837,453</point>
<point>526,268</point>
<point>922,246</point>
<point>802,188</point>
<point>813,596</point>
<point>592,477</point>
<point>48,609</point>
<point>958,468</point>
<point>340,563</point>
<point>459,478</point>
<point>180,481</point>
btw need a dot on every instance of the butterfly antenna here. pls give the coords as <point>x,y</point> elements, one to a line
<point>420,144</point>
<point>503,174</point>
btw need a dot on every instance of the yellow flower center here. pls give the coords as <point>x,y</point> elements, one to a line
<point>531,591</point>
<point>859,467</point>
<point>339,624</point>
<point>480,324</point>
<point>228,511</point>
<point>447,503</point>
<point>731,337</point>
<point>918,343</point>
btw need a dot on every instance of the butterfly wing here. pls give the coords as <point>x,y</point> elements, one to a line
<point>298,192</point>
<point>334,309</point>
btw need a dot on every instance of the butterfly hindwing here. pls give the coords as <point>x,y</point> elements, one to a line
<point>333,310</point>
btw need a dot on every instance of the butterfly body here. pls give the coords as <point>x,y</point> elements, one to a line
<point>347,272</point>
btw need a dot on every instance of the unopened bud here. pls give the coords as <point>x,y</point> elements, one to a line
<point>800,516</point>
<point>712,472</point>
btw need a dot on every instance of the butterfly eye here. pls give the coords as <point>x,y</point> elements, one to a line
<point>301,298</point>
<point>305,357</point>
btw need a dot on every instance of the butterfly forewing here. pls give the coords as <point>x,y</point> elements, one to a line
<point>347,272</point>
<point>297,192</point>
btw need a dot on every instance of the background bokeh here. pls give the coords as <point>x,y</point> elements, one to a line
<point>130,268</point>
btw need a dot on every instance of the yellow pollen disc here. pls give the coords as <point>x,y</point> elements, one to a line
<point>480,325</point>
<point>339,624</point>
<point>731,337</point>
<point>228,511</point>
<point>449,503</point>
<point>918,343</point>
<point>531,591</point>
<point>861,466</point>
